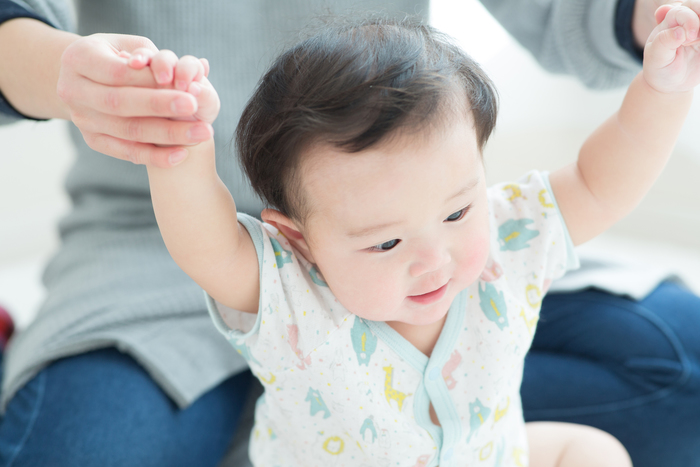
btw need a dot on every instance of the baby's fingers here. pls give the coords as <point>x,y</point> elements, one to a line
<point>662,49</point>
<point>163,65</point>
<point>208,103</point>
<point>684,17</point>
<point>188,69</point>
<point>140,57</point>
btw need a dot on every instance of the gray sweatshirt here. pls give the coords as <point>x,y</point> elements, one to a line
<point>112,282</point>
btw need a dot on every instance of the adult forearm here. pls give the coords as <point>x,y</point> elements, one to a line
<point>30,53</point>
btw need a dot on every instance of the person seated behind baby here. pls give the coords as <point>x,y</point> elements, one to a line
<point>385,303</point>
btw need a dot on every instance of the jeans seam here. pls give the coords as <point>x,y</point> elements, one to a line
<point>41,377</point>
<point>635,401</point>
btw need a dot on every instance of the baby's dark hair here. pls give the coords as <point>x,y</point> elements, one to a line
<point>353,85</point>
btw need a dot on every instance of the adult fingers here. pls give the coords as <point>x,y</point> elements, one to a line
<point>99,60</point>
<point>163,65</point>
<point>138,153</point>
<point>145,129</point>
<point>129,101</point>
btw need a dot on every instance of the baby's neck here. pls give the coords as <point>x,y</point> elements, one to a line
<point>423,337</point>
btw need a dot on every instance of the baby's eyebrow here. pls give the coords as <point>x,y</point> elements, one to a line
<point>371,230</point>
<point>468,187</point>
<point>376,228</point>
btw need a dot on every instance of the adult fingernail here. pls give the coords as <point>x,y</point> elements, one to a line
<point>177,156</point>
<point>198,133</point>
<point>182,105</point>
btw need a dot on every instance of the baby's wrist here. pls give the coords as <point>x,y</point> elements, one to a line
<point>662,91</point>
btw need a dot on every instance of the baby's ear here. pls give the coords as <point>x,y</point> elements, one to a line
<point>290,230</point>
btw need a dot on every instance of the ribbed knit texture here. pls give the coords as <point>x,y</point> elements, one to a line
<point>112,283</point>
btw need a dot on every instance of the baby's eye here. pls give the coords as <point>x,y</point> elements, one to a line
<point>455,216</point>
<point>386,246</point>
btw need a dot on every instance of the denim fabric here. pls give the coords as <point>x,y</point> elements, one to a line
<point>629,368</point>
<point>102,409</point>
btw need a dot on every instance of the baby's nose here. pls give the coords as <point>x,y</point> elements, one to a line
<point>429,258</point>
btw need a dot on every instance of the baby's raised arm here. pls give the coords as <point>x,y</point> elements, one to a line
<point>621,160</point>
<point>196,213</point>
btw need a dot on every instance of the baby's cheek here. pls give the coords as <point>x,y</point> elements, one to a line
<point>475,258</point>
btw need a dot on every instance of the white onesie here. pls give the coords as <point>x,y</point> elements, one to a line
<point>345,391</point>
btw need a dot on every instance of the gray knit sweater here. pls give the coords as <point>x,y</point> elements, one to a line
<point>112,283</point>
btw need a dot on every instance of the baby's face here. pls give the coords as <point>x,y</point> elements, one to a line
<point>398,230</point>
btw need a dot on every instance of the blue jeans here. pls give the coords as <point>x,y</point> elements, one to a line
<point>629,368</point>
<point>102,409</point>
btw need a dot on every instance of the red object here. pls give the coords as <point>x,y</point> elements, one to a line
<point>7,327</point>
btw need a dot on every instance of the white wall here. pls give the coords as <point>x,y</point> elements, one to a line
<point>543,121</point>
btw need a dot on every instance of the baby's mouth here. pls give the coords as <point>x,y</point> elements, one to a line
<point>429,297</point>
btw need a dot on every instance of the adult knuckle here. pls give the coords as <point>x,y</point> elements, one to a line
<point>71,55</point>
<point>133,154</point>
<point>80,120</point>
<point>64,91</point>
<point>117,72</point>
<point>172,133</point>
<point>112,100</point>
<point>155,103</point>
<point>94,142</point>
<point>134,129</point>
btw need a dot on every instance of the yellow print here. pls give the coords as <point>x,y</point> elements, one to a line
<point>511,237</point>
<point>533,291</point>
<point>542,199</point>
<point>486,451</point>
<point>267,381</point>
<point>389,390</point>
<point>529,322</point>
<point>495,308</point>
<point>337,446</point>
<point>515,190</point>
<point>500,413</point>
<point>520,457</point>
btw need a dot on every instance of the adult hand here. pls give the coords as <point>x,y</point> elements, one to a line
<point>119,109</point>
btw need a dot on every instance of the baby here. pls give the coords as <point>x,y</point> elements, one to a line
<point>388,299</point>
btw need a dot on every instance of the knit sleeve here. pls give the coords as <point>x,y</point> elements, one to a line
<point>57,14</point>
<point>576,37</point>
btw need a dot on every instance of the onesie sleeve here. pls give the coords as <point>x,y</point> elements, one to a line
<point>532,246</point>
<point>297,312</point>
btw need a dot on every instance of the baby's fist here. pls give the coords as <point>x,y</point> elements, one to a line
<point>188,74</point>
<point>672,52</point>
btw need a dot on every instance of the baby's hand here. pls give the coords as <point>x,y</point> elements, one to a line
<point>187,74</point>
<point>672,52</point>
